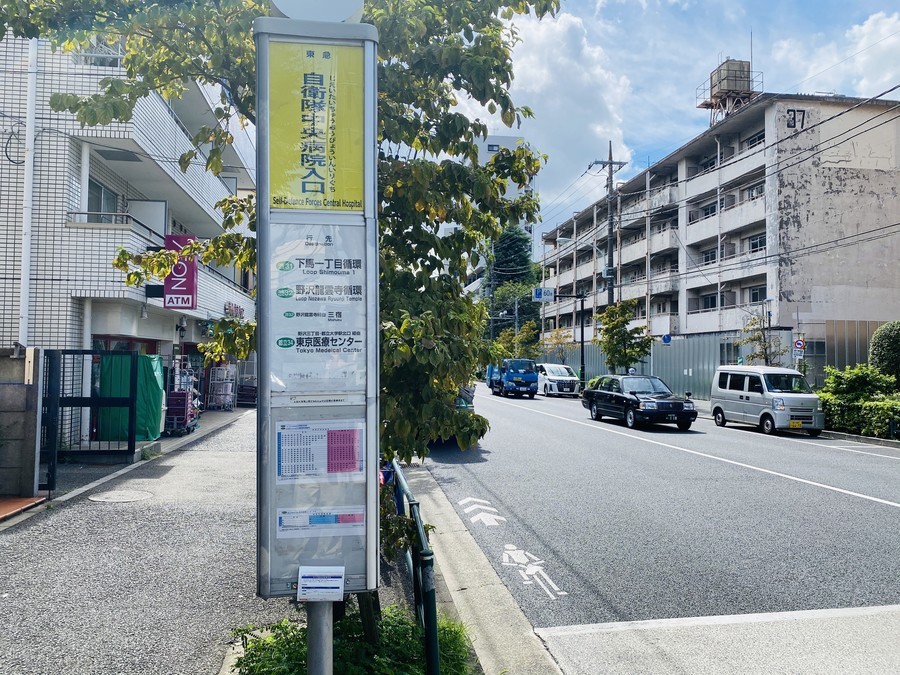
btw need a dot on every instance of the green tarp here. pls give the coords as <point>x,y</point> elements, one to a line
<point>115,381</point>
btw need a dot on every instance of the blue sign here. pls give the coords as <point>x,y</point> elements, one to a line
<point>666,339</point>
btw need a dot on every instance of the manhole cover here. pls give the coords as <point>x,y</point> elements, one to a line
<point>121,496</point>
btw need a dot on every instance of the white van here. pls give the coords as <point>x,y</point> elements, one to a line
<point>766,396</point>
<point>556,379</point>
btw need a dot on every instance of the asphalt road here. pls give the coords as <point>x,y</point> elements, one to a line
<point>595,523</point>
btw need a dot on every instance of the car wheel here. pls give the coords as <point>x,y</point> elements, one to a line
<point>767,425</point>
<point>684,426</point>
<point>546,391</point>
<point>595,411</point>
<point>630,421</point>
<point>530,395</point>
<point>719,417</point>
<point>814,432</point>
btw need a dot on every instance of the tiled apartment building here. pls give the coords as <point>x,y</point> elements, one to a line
<point>70,196</point>
<point>787,207</point>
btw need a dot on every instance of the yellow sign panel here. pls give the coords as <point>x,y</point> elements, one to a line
<point>316,126</point>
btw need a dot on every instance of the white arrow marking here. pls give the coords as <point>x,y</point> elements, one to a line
<point>472,499</point>
<point>487,518</point>
<point>479,506</point>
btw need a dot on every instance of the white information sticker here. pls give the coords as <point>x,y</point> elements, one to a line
<point>320,583</point>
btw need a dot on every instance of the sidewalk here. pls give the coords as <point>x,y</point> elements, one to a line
<point>142,571</point>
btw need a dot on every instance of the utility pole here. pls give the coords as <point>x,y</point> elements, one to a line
<point>613,167</point>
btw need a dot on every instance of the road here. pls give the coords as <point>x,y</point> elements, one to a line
<point>589,522</point>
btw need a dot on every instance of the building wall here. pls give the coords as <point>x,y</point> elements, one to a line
<point>835,216</point>
<point>71,260</point>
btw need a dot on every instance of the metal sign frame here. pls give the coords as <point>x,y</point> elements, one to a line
<point>317,298</point>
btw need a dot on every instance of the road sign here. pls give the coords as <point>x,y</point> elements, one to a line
<point>543,294</point>
<point>798,353</point>
<point>666,339</point>
<point>800,344</point>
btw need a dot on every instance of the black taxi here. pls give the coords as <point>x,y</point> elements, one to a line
<point>638,399</point>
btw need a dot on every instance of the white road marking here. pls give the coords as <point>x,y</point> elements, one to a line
<point>713,457</point>
<point>691,621</point>
<point>530,569</point>
<point>488,519</point>
<point>472,499</point>
<point>480,506</point>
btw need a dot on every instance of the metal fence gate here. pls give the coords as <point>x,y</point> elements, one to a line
<point>74,410</point>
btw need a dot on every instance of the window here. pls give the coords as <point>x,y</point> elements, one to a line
<point>756,243</point>
<point>708,210</point>
<point>754,384</point>
<point>756,139</point>
<point>709,301</point>
<point>757,294</point>
<point>710,255</point>
<point>493,147</point>
<point>756,191</point>
<point>736,382</point>
<point>101,200</point>
<point>707,164</point>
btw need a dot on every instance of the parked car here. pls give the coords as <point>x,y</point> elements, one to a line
<point>638,399</point>
<point>556,379</point>
<point>769,397</point>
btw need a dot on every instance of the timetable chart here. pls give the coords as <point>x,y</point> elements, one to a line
<point>330,522</point>
<point>320,450</point>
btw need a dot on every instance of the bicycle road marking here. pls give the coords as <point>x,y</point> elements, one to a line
<point>777,474</point>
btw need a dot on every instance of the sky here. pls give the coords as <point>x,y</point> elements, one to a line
<point>627,71</point>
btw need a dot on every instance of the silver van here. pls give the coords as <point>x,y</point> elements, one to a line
<point>766,396</point>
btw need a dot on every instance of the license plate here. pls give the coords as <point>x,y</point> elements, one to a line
<point>672,418</point>
<point>795,424</point>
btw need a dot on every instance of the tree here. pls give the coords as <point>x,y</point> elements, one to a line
<point>511,258</point>
<point>623,346</point>
<point>884,350</point>
<point>559,343</point>
<point>522,344</point>
<point>766,346</point>
<point>505,298</point>
<point>430,55</point>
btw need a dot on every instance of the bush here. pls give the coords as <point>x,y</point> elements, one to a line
<point>884,350</point>
<point>859,400</point>
<point>861,382</point>
<point>281,649</point>
<point>877,416</point>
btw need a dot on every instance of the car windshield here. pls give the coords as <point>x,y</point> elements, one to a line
<point>787,382</point>
<point>645,385</point>
<point>521,366</point>
<point>560,371</point>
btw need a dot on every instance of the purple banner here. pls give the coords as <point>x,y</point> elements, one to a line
<point>180,288</point>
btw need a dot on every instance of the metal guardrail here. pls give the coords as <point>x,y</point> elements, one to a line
<point>420,562</point>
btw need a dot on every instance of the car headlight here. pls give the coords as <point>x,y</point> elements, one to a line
<point>777,404</point>
<point>688,405</point>
<point>648,405</point>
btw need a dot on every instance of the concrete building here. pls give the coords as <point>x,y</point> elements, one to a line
<point>71,196</point>
<point>786,208</point>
